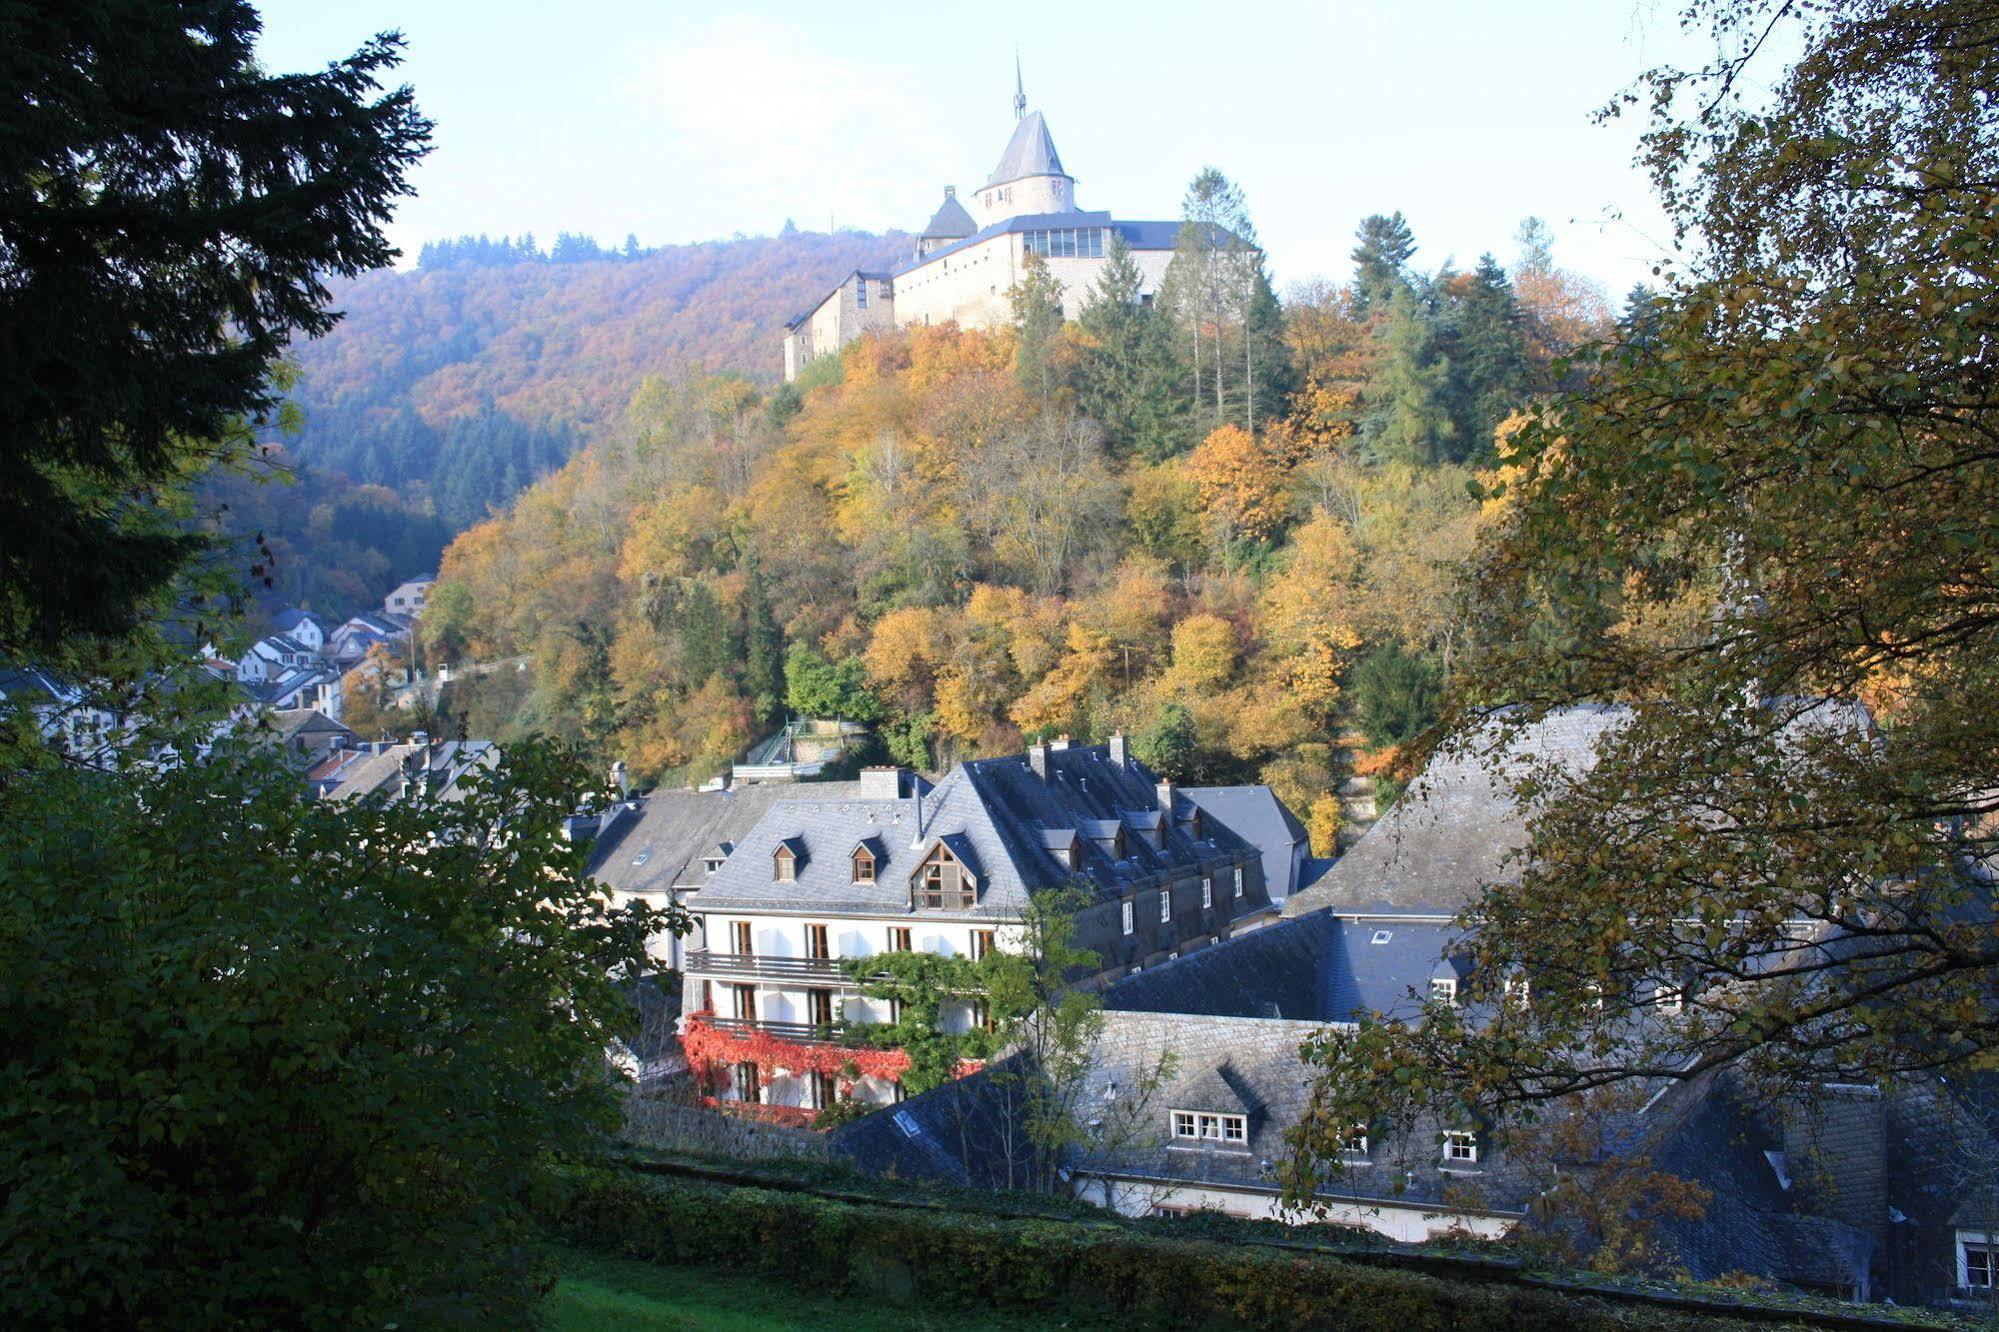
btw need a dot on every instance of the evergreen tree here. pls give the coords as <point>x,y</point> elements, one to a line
<point>704,637</point>
<point>1639,324</point>
<point>169,217</point>
<point>1537,247</point>
<point>1381,260</point>
<point>1488,357</point>
<point>763,653</point>
<point>1114,327</point>
<point>632,248</point>
<point>1037,326</point>
<point>1409,417</point>
<point>1162,424</point>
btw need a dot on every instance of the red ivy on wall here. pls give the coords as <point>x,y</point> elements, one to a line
<point>706,1046</point>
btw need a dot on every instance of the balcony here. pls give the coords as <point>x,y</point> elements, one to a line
<point>794,970</point>
<point>803,1032</point>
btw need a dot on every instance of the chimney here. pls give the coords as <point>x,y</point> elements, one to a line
<point>1119,756</point>
<point>1037,759</point>
<point>419,737</point>
<point>619,780</point>
<point>880,783</point>
<point>1060,742</point>
<point>950,191</point>
<point>1166,801</point>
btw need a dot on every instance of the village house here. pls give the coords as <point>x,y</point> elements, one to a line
<point>950,869</point>
<point>407,600</point>
<point>974,250</point>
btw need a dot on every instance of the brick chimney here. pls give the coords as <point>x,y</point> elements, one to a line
<point>1120,756</point>
<point>882,783</point>
<point>1037,759</point>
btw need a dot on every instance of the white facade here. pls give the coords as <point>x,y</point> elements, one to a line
<point>1410,1224</point>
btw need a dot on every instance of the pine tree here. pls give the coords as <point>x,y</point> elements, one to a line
<point>1639,324</point>
<point>763,653</point>
<point>1488,357</point>
<point>1037,326</point>
<point>1114,328</point>
<point>1380,260</point>
<point>1410,418</point>
<point>1537,247</point>
<point>704,638</point>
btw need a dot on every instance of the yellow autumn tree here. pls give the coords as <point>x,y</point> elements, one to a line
<point>1242,487</point>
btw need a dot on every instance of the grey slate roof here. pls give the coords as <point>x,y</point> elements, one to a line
<point>970,1133</point>
<point>657,845</point>
<point>1261,818</point>
<point>1030,152</point>
<point>442,763</point>
<point>287,620</point>
<point>1316,968</point>
<point>1455,826</point>
<point>950,221</point>
<point>994,814</point>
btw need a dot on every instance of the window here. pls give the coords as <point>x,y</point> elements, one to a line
<point>824,1090</point>
<point>864,866</point>
<point>1191,1124</point>
<point>1460,1147</point>
<point>1669,998</point>
<point>739,934</point>
<point>982,943</point>
<point>898,939</point>
<point>1517,992</point>
<point>982,1016</point>
<point>819,1007</point>
<point>707,997</point>
<point>1065,243</point>
<point>711,863</point>
<point>861,293</point>
<point>894,1011</point>
<point>1238,881</point>
<point>1207,891</point>
<point>1127,918</point>
<point>883,290</point>
<point>1977,1260</point>
<point>1165,905</point>
<point>784,865</point>
<point>1355,1146</point>
<point>748,1086</point>
<point>941,883</point>
<point>815,942</point>
<point>1444,991</point>
<point>746,1002</point>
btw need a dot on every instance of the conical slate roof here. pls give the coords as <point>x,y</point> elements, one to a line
<point>950,221</point>
<point>1029,153</point>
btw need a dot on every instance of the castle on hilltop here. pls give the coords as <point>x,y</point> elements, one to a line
<point>972,250</point>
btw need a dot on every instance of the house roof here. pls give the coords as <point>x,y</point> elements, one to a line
<point>1261,818</point>
<point>294,723</point>
<point>654,847</point>
<point>996,816</point>
<point>950,220</point>
<point>444,764</point>
<point>970,1132</point>
<point>1030,152</point>
<point>1459,825</point>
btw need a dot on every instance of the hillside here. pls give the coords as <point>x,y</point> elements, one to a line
<point>972,537</point>
<point>446,389</point>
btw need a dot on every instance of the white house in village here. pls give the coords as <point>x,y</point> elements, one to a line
<point>974,249</point>
<point>408,598</point>
<point>899,865</point>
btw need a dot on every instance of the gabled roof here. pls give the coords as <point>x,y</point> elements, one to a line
<point>1030,152</point>
<point>287,620</point>
<point>1260,817</point>
<point>872,844</point>
<point>674,829</point>
<point>950,221</point>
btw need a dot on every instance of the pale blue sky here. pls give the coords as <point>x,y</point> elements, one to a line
<point>684,122</point>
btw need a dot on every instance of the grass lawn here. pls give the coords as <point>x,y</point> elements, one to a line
<point>621,1295</point>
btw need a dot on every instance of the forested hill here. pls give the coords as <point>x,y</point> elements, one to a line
<point>486,366</point>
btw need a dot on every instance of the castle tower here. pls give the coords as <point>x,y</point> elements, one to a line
<point>1029,178</point>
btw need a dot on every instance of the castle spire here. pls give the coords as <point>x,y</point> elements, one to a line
<point>1019,89</point>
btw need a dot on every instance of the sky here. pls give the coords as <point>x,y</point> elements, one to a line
<point>679,122</point>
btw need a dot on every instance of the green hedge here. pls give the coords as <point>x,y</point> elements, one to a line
<point>943,1260</point>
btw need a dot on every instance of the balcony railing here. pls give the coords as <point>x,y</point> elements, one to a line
<point>784,1031</point>
<point>809,970</point>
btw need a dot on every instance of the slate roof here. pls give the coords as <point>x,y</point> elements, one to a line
<point>293,723</point>
<point>1316,968</point>
<point>994,814</point>
<point>287,620</point>
<point>1748,1224</point>
<point>657,844</point>
<point>1458,825</point>
<point>1257,813</point>
<point>949,221</point>
<point>1030,152</point>
<point>969,1133</point>
<point>446,762</point>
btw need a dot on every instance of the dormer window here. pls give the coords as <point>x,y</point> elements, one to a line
<point>1238,881</point>
<point>1444,990</point>
<point>784,865</point>
<point>1207,891</point>
<point>943,883</point>
<point>1194,1126</point>
<point>1460,1147</point>
<point>712,864</point>
<point>1354,1148</point>
<point>1669,998</point>
<point>1518,991</point>
<point>864,866</point>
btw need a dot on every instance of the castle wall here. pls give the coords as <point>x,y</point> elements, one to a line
<point>968,286</point>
